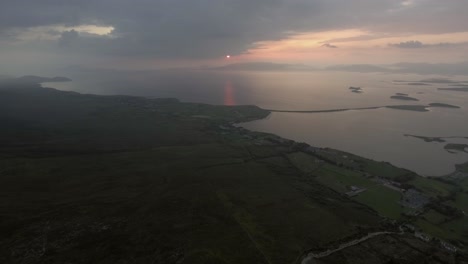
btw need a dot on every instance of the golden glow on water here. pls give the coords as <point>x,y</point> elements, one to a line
<point>229,98</point>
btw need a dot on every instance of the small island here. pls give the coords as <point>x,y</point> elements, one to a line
<point>418,108</point>
<point>403,97</point>
<point>355,89</point>
<point>418,83</point>
<point>427,139</point>
<point>443,105</point>
<point>435,139</point>
<point>453,148</point>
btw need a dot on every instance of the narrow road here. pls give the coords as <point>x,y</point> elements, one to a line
<point>311,256</point>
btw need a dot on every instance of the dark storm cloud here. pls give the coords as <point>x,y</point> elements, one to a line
<point>424,16</point>
<point>182,28</point>
<point>28,13</point>
<point>210,28</point>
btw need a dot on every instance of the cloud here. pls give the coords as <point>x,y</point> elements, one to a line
<point>358,68</point>
<point>412,44</point>
<point>67,38</point>
<point>328,45</point>
<point>163,30</point>
<point>189,29</point>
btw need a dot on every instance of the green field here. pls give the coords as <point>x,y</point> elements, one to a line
<point>304,162</point>
<point>341,179</point>
<point>434,217</point>
<point>432,187</point>
<point>205,195</point>
<point>382,199</point>
<point>374,168</point>
<point>463,167</point>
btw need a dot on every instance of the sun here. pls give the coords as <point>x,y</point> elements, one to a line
<point>228,56</point>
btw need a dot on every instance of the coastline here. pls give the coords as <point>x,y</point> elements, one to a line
<point>315,127</point>
<point>128,166</point>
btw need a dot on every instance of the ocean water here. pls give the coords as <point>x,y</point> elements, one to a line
<point>376,133</point>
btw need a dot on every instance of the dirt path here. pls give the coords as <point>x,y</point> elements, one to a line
<point>311,256</point>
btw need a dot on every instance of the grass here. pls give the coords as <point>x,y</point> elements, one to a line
<point>304,162</point>
<point>383,200</point>
<point>461,201</point>
<point>464,184</point>
<point>434,217</point>
<point>341,179</point>
<point>463,167</point>
<point>431,229</point>
<point>432,187</point>
<point>201,194</point>
<point>385,170</point>
<point>456,230</point>
<point>374,168</point>
<point>380,198</point>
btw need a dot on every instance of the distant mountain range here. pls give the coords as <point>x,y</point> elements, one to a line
<point>39,79</point>
<point>417,68</point>
<point>264,66</point>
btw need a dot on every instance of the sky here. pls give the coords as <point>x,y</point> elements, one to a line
<point>51,35</point>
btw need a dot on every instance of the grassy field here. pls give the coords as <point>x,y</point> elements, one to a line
<point>463,167</point>
<point>205,195</point>
<point>434,217</point>
<point>432,187</point>
<point>382,199</point>
<point>304,162</point>
<point>454,230</point>
<point>458,229</point>
<point>341,179</point>
<point>371,167</point>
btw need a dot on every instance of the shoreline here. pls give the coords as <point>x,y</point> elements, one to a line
<point>414,108</point>
<point>454,171</point>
